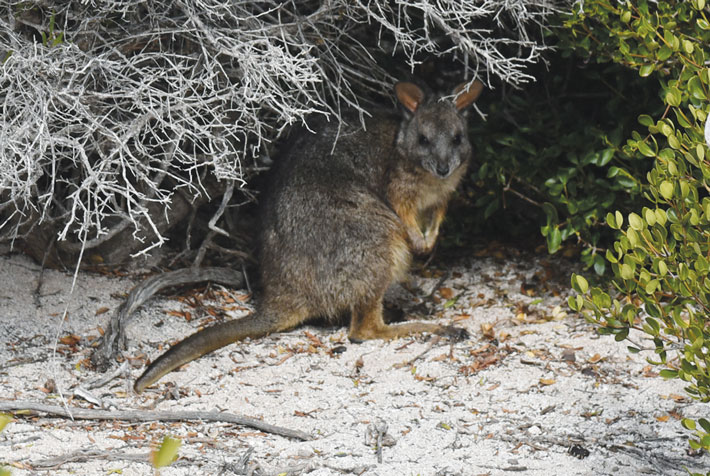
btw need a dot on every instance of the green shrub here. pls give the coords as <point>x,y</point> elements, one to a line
<point>552,156</point>
<point>661,259</point>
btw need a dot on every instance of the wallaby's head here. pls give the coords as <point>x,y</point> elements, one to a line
<point>433,134</point>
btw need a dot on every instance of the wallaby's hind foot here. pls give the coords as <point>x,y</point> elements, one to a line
<point>454,333</point>
<point>367,323</point>
<point>394,331</point>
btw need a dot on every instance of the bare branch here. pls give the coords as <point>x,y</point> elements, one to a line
<point>122,103</point>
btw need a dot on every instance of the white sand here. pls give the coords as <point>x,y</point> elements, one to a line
<point>466,409</point>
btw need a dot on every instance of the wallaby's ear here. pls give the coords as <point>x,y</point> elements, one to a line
<point>466,97</point>
<point>409,95</point>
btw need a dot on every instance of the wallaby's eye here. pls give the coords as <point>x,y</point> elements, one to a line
<point>423,140</point>
<point>457,139</point>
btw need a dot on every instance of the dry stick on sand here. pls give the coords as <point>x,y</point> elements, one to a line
<point>116,334</point>
<point>86,455</point>
<point>141,415</point>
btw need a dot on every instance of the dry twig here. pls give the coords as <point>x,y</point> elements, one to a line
<point>116,333</point>
<point>123,104</point>
<point>142,415</point>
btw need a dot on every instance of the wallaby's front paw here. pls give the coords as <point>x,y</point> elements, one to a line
<point>422,250</point>
<point>419,244</point>
<point>430,237</point>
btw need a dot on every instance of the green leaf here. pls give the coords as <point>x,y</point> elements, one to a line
<point>551,213</point>
<point>652,286</point>
<point>450,302</point>
<point>554,239</point>
<point>694,218</point>
<point>661,216</point>
<point>611,221</point>
<point>635,221</point>
<point>599,265</point>
<point>621,334</point>
<point>681,118</point>
<point>666,129</point>
<point>652,323</point>
<point>626,271</point>
<point>673,96</point>
<point>646,70</point>
<point>671,39</point>
<point>688,424</point>
<point>645,120</point>
<point>607,155</point>
<point>490,209</point>
<point>649,216</point>
<point>4,420</point>
<point>668,373</point>
<point>664,52</point>
<point>653,311</point>
<point>582,286</point>
<point>632,236</point>
<point>695,87</point>
<point>167,453</point>
<point>666,189</point>
<point>662,268</point>
<point>645,149</point>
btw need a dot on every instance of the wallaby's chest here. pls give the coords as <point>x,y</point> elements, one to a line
<point>418,190</point>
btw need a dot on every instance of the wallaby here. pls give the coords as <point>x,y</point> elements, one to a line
<point>339,224</point>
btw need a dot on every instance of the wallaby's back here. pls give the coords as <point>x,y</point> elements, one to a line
<point>326,222</point>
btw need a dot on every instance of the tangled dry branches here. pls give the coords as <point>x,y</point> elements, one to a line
<point>119,117</point>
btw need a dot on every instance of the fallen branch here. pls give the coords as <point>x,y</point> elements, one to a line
<point>635,447</point>
<point>142,415</point>
<point>115,335</point>
<point>83,455</point>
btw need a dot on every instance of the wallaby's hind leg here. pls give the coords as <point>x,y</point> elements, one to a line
<point>367,323</point>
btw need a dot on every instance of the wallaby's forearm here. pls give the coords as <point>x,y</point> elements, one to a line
<point>431,228</point>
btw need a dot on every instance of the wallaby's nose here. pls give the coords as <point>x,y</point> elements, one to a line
<point>442,170</point>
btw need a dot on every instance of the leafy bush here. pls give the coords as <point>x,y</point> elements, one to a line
<point>553,154</point>
<point>661,259</point>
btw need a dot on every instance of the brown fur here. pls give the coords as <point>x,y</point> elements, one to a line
<point>338,229</point>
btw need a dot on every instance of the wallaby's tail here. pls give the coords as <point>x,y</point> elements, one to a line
<point>201,343</point>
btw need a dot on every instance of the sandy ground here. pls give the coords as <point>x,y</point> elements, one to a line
<point>534,391</point>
